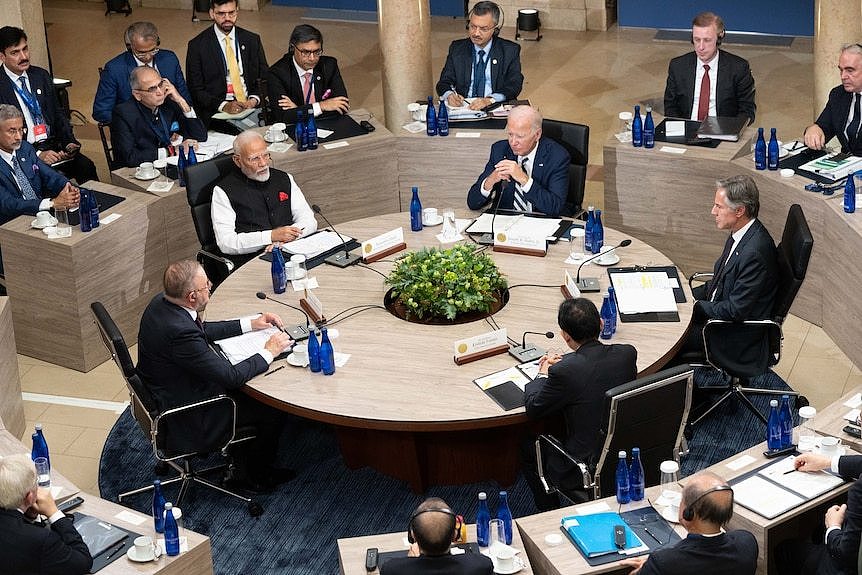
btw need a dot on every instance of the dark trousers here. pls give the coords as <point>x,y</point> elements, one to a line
<point>80,168</point>
<point>266,423</point>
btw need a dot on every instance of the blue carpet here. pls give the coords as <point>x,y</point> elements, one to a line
<point>328,501</point>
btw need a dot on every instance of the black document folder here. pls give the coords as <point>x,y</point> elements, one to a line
<point>678,294</point>
<point>689,139</point>
<point>507,395</point>
<point>103,200</point>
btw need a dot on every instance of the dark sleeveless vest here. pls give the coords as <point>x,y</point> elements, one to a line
<point>259,205</point>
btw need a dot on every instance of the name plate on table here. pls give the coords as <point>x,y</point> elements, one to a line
<point>383,245</point>
<point>518,240</point>
<point>312,306</point>
<point>570,286</point>
<point>480,346</point>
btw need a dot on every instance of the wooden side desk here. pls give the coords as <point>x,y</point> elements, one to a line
<point>351,551</point>
<point>11,405</point>
<point>10,445</point>
<point>830,421</point>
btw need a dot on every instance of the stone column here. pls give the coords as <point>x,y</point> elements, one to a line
<point>836,22</point>
<point>405,44</point>
<point>27,14</point>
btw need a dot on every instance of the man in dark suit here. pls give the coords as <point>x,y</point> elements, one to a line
<point>179,365</point>
<point>705,510</point>
<point>31,90</point>
<point>27,184</point>
<point>142,49</point>
<point>575,383</point>
<point>482,66</point>
<point>532,172</point>
<point>841,116</point>
<point>30,548</point>
<point>432,529</point>
<point>156,118</point>
<point>305,79</point>
<point>224,64</point>
<point>708,81</point>
<point>839,553</point>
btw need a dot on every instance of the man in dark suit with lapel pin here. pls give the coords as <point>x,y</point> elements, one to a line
<point>708,81</point>
<point>531,171</point>
<point>305,79</point>
<point>841,116</point>
<point>223,66</point>
<point>30,548</point>
<point>143,48</point>
<point>482,66</point>
<point>27,184</point>
<point>31,90</point>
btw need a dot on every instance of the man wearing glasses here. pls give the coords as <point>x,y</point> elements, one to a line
<point>305,79</point>
<point>255,205</point>
<point>31,90</point>
<point>142,49</point>
<point>841,116</point>
<point>482,66</point>
<point>224,65</point>
<point>154,122</point>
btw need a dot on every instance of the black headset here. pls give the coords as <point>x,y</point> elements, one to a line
<point>688,512</point>
<point>496,13</point>
<point>453,535</point>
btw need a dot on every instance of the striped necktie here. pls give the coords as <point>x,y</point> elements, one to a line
<point>23,182</point>
<point>521,202</point>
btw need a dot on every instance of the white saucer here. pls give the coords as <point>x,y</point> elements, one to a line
<point>519,564</point>
<point>282,137</point>
<point>137,176</point>
<point>436,222</point>
<point>611,262</point>
<point>132,555</point>
<point>34,224</point>
<point>291,359</point>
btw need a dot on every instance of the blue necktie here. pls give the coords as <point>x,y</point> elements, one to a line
<point>520,201</point>
<point>23,182</point>
<point>479,76</point>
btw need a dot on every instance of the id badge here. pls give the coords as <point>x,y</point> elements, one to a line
<point>229,95</point>
<point>40,132</point>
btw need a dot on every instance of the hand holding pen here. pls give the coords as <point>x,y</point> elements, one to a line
<point>455,99</point>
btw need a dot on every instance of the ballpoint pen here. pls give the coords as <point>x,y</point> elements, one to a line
<point>273,371</point>
<point>116,549</point>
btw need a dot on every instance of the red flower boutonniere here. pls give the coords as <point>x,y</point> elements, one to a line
<point>283,197</point>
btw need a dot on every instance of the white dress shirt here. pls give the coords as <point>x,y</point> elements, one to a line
<point>245,326</point>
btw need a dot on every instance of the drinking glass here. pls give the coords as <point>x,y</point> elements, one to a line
<point>43,472</point>
<point>64,230</point>
<point>496,534</point>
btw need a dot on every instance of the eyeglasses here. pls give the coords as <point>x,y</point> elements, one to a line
<point>309,53</point>
<point>153,89</point>
<point>208,288</point>
<point>14,131</point>
<point>260,157</point>
<point>228,14</point>
<point>145,53</point>
<point>482,29</point>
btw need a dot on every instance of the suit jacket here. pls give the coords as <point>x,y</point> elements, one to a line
<point>114,87</point>
<point>178,366</point>
<point>734,94</point>
<point>842,545</point>
<point>206,69</point>
<point>745,289</point>
<point>834,116</point>
<point>42,86</point>
<point>283,80</point>
<point>46,182</point>
<point>732,552</point>
<point>550,173</point>
<point>576,385</point>
<point>506,76</point>
<point>132,136</point>
<point>30,549</point>
<point>465,564</point>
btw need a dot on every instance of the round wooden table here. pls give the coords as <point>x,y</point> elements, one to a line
<point>401,404</point>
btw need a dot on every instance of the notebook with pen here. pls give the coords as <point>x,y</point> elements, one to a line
<point>593,534</point>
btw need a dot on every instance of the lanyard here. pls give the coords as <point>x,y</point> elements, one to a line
<point>160,129</point>
<point>31,102</point>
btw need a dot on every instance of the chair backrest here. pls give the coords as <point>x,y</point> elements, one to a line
<point>793,253</point>
<point>113,339</point>
<point>575,138</point>
<point>105,136</point>
<point>649,413</point>
<point>200,181</point>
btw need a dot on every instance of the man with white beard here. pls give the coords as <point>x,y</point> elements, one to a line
<point>256,205</point>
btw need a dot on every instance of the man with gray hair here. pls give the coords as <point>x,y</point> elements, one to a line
<point>256,205</point>
<point>842,116</point>
<point>529,173</point>
<point>28,547</point>
<point>143,48</point>
<point>154,122</point>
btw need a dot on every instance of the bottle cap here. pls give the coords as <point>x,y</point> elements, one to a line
<point>168,506</point>
<point>625,116</point>
<point>807,412</point>
<point>503,494</point>
<point>636,450</point>
<point>621,454</point>
<point>773,403</point>
<point>785,396</point>
<point>482,496</point>
<point>649,109</point>
<point>157,482</point>
<point>38,427</point>
<point>669,467</point>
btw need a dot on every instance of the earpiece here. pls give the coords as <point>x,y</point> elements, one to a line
<point>688,512</point>
<point>445,510</point>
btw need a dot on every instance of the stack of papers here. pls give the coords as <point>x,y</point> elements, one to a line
<point>520,225</point>
<point>314,244</point>
<point>644,292</point>
<point>241,347</point>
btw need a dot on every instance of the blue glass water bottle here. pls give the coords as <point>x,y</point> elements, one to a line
<point>443,119</point>
<point>483,518</point>
<point>279,275</point>
<point>158,507</point>
<point>430,119</point>
<point>760,151</point>
<point>83,209</point>
<point>327,354</point>
<point>313,351</point>
<point>94,210</point>
<point>182,163</point>
<point>850,194</point>
<point>311,131</point>
<point>612,299</point>
<point>773,427</point>
<point>607,321</point>
<point>299,134</point>
<point>588,229</point>
<point>192,157</point>
<point>40,445</point>
<point>786,418</point>
<point>649,129</point>
<point>636,476</point>
<point>505,515</point>
<point>622,480</point>
<point>772,151</point>
<point>598,233</point>
<point>415,211</point>
<point>172,532</point>
<point>637,129</point>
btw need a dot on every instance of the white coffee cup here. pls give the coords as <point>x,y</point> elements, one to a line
<point>44,219</point>
<point>829,446</point>
<point>429,216</point>
<point>144,547</point>
<point>146,170</point>
<point>505,557</point>
<point>300,352</point>
<point>607,255</point>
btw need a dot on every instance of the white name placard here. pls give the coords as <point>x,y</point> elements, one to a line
<point>513,238</point>
<point>382,242</point>
<point>315,303</point>
<point>571,285</point>
<point>479,343</point>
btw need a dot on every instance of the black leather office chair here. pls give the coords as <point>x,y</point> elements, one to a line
<point>105,136</point>
<point>575,138</point>
<point>159,427</point>
<point>200,181</point>
<point>793,253</point>
<point>649,413</point>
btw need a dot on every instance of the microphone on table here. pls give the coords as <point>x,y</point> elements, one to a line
<point>297,332</point>
<point>496,197</point>
<point>592,284</point>
<point>523,353</point>
<point>339,259</point>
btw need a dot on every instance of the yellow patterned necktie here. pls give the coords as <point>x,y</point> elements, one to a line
<point>233,70</point>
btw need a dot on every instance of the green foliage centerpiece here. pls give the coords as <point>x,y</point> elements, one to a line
<point>435,283</point>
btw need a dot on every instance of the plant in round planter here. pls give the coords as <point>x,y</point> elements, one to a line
<point>435,283</point>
